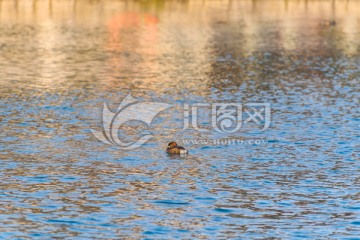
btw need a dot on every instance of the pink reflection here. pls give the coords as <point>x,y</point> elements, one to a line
<point>132,34</point>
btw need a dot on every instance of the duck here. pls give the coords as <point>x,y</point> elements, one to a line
<point>174,149</point>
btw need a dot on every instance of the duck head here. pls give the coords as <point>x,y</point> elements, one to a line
<point>172,145</point>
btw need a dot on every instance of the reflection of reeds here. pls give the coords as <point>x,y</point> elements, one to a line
<point>162,45</point>
<point>248,9</point>
<point>296,16</point>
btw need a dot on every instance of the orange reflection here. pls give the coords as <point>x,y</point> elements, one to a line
<point>130,33</point>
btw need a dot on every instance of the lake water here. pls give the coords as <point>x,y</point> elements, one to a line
<point>61,60</point>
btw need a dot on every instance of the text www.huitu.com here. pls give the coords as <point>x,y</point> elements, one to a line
<point>224,141</point>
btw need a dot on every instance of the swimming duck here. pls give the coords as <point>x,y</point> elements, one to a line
<point>173,148</point>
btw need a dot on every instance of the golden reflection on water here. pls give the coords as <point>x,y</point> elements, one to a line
<point>166,45</point>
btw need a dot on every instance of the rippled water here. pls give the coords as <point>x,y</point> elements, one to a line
<point>61,60</point>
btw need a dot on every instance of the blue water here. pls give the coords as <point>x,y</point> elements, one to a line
<point>299,180</point>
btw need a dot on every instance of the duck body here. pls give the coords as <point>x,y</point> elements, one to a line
<point>174,149</point>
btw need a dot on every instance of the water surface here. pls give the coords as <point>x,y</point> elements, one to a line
<point>61,60</point>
